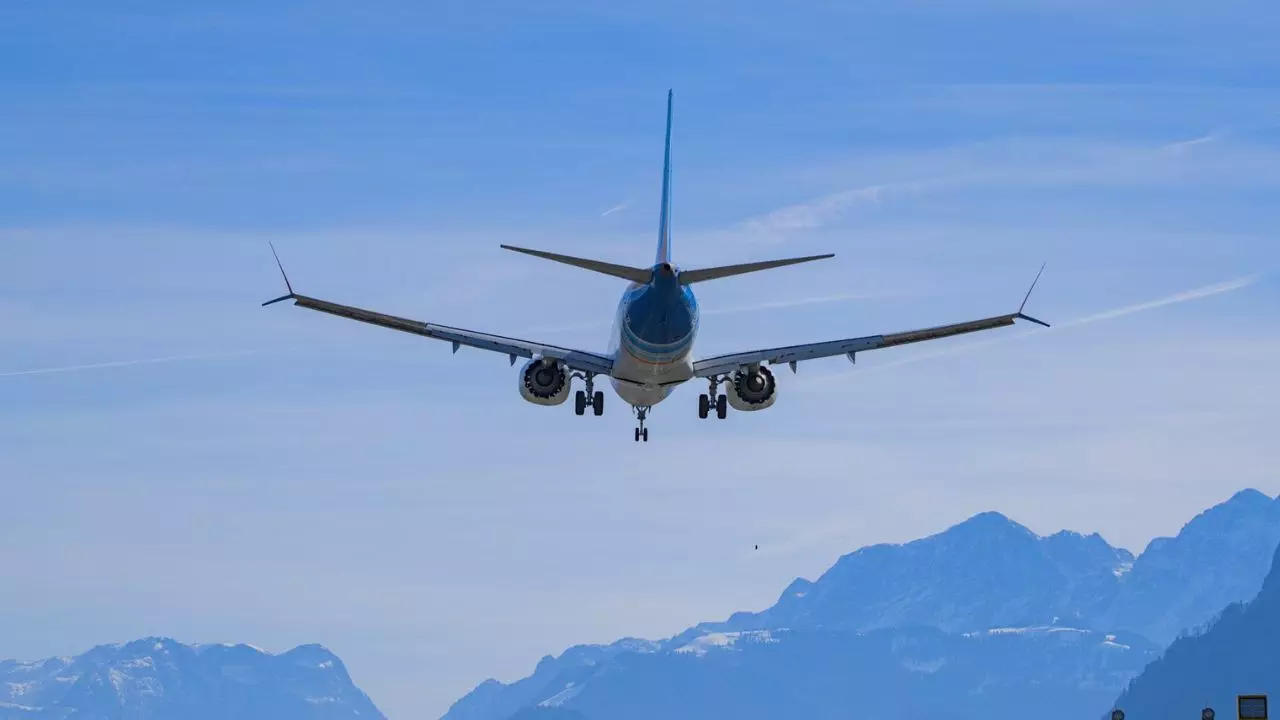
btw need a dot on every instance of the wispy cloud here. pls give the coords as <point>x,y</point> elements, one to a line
<point>817,212</point>
<point>1015,163</point>
<point>1183,145</point>
<point>1187,296</point>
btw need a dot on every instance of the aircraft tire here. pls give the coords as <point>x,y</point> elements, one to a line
<point>579,403</point>
<point>722,407</point>
<point>704,407</point>
<point>597,404</point>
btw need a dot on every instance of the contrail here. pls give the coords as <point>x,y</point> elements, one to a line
<point>127,363</point>
<point>614,209</point>
<point>1196,294</point>
<point>1186,296</point>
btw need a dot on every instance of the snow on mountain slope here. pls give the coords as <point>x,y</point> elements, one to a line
<point>1066,611</point>
<point>160,679</point>
<point>985,571</point>
<point>818,674</point>
<point>553,675</point>
<point>989,571</point>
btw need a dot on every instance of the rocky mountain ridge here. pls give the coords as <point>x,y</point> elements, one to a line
<point>162,679</point>
<point>987,590</point>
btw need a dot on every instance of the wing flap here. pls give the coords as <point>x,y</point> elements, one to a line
<point>811,351</point>
<point>945,331</point>
<point>575,359</point>
<point>792,354</point>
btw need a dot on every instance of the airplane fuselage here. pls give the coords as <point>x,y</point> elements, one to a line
<point>652,339</point>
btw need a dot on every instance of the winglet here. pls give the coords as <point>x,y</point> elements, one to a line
<point>287,284</point>
<point>1027,297</point>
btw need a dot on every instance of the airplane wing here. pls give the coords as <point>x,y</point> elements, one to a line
<point>511,347</point>
<point>793,354</point>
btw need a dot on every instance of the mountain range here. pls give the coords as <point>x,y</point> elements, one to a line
<point>985,618</point>
<point>1236,656</point>
<point>162,679</point>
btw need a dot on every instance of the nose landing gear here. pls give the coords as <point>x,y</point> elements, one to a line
<point>641,412</point>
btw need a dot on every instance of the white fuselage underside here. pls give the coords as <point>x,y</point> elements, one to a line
<point>639,382</point>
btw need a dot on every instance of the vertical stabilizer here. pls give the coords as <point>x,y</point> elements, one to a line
<point>664,221</point>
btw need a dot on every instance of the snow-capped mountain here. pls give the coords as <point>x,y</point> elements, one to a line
<point>1236,656</point>
<point>989,571</point>
<point>820,674</point>
<point>985,572</point>
<point>1220,557</point>
<point>162,679</point>
<point>1063,621</point>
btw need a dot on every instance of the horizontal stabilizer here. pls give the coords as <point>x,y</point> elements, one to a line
<point>688,277</point>
<point>634,274</point>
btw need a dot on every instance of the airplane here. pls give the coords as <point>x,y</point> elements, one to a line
<point>656,322</point>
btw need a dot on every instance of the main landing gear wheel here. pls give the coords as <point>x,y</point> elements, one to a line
<point>642,433</point>
<point>711,399</point>
<point>588,398</point>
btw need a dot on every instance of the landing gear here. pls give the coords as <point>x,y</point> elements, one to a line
<point>711,399</point>
<point>589,398</point>
<point>641,411</point>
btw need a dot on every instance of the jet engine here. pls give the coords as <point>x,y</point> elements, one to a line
<point>752,389</point>
<point>543,381</point>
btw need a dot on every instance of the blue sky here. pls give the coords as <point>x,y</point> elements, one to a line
<point>307,479</point>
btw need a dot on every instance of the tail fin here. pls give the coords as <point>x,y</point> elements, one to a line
<point>664,220</point>
<point>688,277</point>
<point>634,274</point>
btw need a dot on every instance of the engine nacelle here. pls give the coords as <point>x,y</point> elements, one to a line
<point>544,381</point>
<point>752,389</point>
